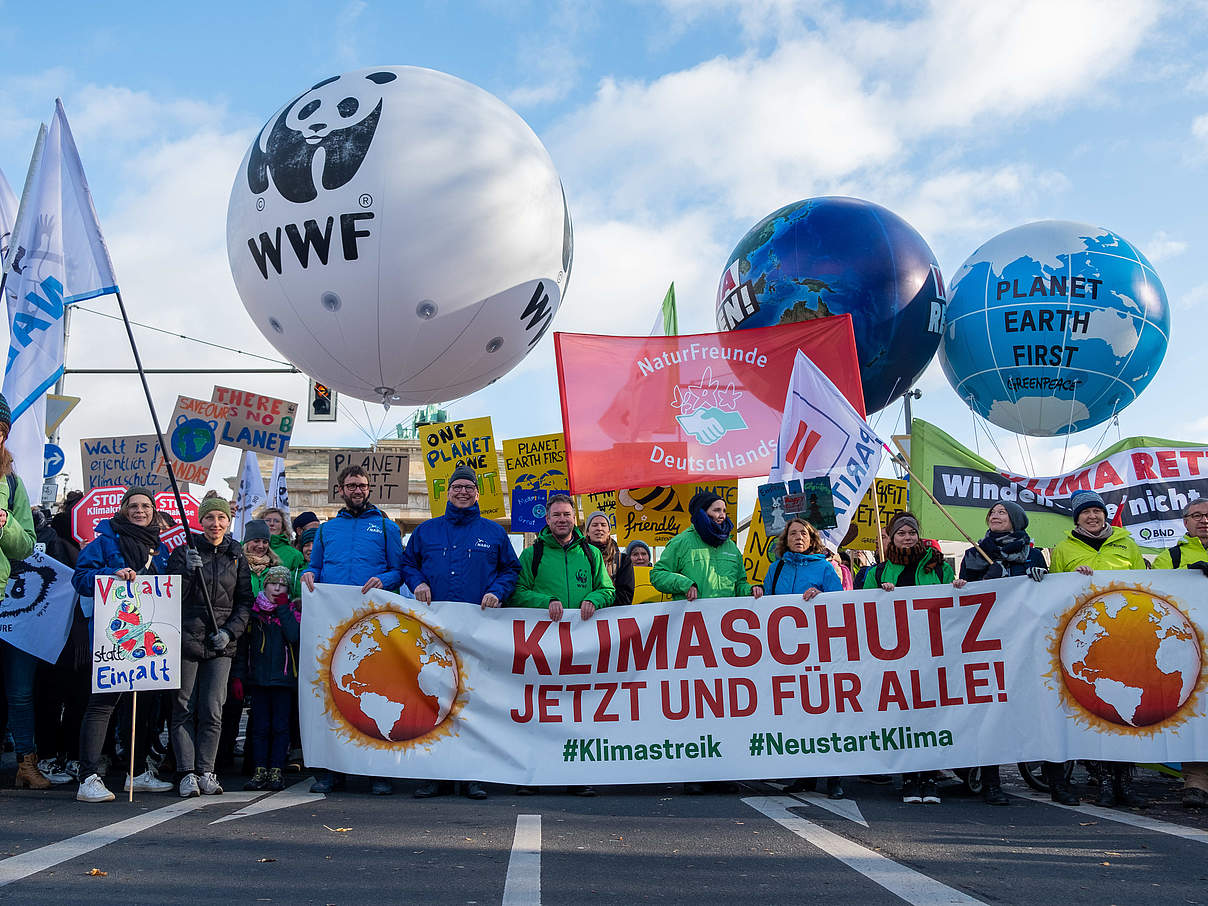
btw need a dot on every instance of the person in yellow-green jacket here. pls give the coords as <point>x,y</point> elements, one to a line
<point>562,570</point>
<point>1094,544</point>
<point>703,561</point>
<point>1190,553</point>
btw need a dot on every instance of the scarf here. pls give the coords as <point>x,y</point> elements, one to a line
<point>260,564</point>
<point>611,554</point>
<point>710,532</point>
<point>138,543</point>
<point>912,558</point>
<point>1004,548</point>
<point>265,607</point>
<point>1096,540</point>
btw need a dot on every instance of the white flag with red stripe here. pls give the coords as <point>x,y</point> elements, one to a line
<point>823,436</point>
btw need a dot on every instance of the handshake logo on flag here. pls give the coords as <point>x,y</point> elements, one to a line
<point>707,412</point>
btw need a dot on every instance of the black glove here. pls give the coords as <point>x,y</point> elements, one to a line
<point>192,560</point>
<point>1036,573</point>
<point>219,640</point>
<point>1201,566</point>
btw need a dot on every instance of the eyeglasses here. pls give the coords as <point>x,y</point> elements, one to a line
<point>356,486</point>
<point>465,488</point>
<point>1197,516</point>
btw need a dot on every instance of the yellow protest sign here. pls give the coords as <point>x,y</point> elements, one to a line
<point>536,463</point>
<point>605,501</point>
<point>891,498</point>
<point>759,551</point>
<point>447,445</point>
<point>657,514</point>
<point>643,591</point>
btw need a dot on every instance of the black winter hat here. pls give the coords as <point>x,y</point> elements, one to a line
<point>702,500</point>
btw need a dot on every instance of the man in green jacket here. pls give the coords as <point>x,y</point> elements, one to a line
<point>561,569</point>
<point>1191,554</point>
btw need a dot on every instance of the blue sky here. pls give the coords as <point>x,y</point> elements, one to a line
<point>675,126</point>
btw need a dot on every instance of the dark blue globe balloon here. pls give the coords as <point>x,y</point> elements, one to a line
<point>833,256</point>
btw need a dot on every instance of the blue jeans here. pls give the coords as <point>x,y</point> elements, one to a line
<point>19,668</point>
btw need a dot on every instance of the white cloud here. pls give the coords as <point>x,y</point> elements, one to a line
<point>1163,246</point>
<point>1199,128</point>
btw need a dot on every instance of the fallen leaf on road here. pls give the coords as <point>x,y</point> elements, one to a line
<point>266,859</point>
<point>338,830</point>
<point>1087,823</point>
<point>97,873</point>
<point>1105,863</point>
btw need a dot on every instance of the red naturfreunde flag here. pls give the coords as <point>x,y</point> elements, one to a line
<point>823,436</point>
<point>641,411</point>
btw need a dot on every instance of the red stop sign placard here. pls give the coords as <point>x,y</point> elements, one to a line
<point>95,506</point>
<point>166,502</point>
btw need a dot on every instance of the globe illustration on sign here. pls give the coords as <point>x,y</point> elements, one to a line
<point>392,677</point>
<point>1054,327</point>
<point>1130,657</point>
<point>832,256</point>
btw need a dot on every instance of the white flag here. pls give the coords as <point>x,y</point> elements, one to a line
<point>250,496</point>
<point>278,493</point>
<point>823,436</point>
<point>8,215</point>
<point>56,256</point>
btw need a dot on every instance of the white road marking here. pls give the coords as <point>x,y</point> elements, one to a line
<point>844,808</point>
<point>1130,818</point>
<point>522,886</point>
<point>286,798</point>
<point>912,886</point>
<point>15,868</point>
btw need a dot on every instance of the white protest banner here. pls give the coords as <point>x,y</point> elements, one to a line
<point>866,682</point>
<point>132,461</point>
<point>35,614</point>
<point>823,436</point>
<point>261,424</point>
<point>136,634</point>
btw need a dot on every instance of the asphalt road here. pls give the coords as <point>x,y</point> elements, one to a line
<point>628,845</point>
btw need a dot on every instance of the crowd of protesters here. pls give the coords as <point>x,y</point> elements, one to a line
<point>242,609</point>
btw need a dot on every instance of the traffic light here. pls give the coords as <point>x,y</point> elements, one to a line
<point>321,405</point>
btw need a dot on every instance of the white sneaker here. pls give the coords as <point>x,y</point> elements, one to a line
<point>209,785</point>
<point>54,771</point>
<point>93,789</point>
<point>189,786</point>
<point>147,782</point>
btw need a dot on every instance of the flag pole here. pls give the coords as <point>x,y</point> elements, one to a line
<point>876,512</point>
<point>133,724</point>
<point>190,542</point>
<point>901,460</point>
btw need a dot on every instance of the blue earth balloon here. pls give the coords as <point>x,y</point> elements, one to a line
<point>1053,327</point>
<point>832,256</point>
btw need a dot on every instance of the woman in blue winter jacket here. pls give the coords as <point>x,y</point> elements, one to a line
<point>126,546</point>
<point>801,566</point>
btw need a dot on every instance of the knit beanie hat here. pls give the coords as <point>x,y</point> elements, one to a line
<point>1084,500</point>
<point>256,530</point>
<point>277,574</point>
<point>1019,519</point>
<point>302,519</point>
<point>137,491</point>
<point>702,500</point>
<point>601,514</point>
<point>635,543</point>
<point>210,504</point>
<point>901,519</point>
<point>463,473</point>
<point>6,416</point>
<point>308,537</point>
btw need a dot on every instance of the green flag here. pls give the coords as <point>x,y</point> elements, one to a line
<point>667,322</point>
<point>1144,481</point>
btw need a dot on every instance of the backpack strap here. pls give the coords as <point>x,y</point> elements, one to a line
<point>12,488</point>
<point>879,572</point>
<point>1176,556</point>
<point>538,550</point>
<point>776,576</point>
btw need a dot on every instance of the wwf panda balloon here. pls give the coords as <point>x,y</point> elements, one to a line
<point>400,235</point>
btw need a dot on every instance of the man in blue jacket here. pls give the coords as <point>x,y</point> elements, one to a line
<point>360,546</point>
<point>460,556</point>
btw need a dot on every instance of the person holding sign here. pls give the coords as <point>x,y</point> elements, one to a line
<point>703,561</point>
<point>1094,544</point>
<point>460,556</point>
<point>127,546</point>
<point>208,643</point>
<point>1010,553</point>
<point>802,565</point>
<point>618,564</point>
<point>16,666</point>
<point>909,560</point>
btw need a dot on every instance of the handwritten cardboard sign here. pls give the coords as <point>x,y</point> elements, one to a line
<point>447,445</point>
<point>192,438</point>
<point>128,460</point>
<point>388,474</point>
<point>261,424</point>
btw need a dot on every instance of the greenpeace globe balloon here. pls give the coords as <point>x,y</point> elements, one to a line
<point>399,235</point>
<point>833,256</point>
<point>1054,327</point>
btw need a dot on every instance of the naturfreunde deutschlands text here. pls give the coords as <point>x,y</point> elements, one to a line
<point>825,645</point>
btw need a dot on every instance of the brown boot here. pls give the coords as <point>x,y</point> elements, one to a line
<point>28,775</point>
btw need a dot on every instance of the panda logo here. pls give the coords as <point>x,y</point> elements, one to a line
<point>319,139</point>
